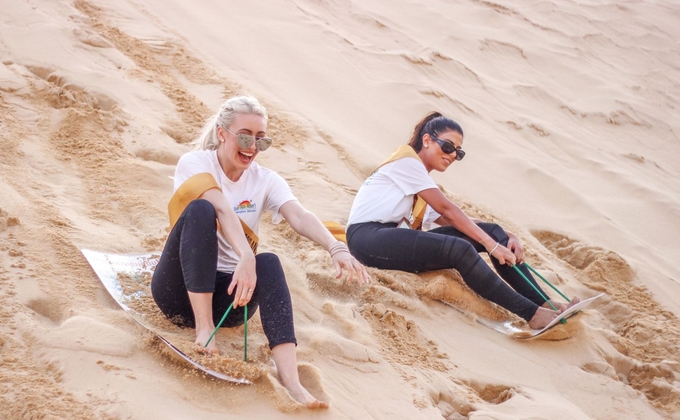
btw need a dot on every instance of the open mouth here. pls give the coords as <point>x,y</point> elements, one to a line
<point>245,157</point>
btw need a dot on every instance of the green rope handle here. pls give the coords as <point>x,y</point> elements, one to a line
<point>562,321</point>
<point>245,330</point>
<point>546,281</point>
<point>219,324</point>
<point>535,288</point>
<point>245,334</point>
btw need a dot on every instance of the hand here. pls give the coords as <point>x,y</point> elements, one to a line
<point>504,255</point>
<point>354,268</point>
<point>342,258</point>
<point>515,246</point>
<point>244,280</point>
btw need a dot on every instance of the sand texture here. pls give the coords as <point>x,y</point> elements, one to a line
<point>570,112</point>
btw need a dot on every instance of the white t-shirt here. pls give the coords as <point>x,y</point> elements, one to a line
<point>259,189</point>
<point>387,195</point>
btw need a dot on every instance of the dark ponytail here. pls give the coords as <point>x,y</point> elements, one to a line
<point>433,124</point>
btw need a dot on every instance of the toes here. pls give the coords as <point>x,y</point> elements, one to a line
<point>316,404</point>
<point>208,351</point>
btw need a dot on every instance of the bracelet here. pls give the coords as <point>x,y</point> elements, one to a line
<point>337,247</point>
<point>494,248</point>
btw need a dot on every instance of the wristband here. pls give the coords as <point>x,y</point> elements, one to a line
<point>337,247</point>
<point>494,248</point>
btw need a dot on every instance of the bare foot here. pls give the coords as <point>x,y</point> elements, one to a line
<point>301,395</point>
<point>561,307</point>
<point>286,364</point>
<point>201,338</point>
<point>543,315</point>
<point>541,318</point>
<point>573,302</point>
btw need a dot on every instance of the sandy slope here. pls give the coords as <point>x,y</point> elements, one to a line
<point>570,115</point>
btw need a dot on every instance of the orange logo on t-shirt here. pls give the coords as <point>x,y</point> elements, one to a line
<point>245,206</point>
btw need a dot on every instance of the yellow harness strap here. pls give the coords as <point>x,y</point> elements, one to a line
<point>193,188</point>
<point>337,230</point>
<point>419,205</point>
<point>418,210</point>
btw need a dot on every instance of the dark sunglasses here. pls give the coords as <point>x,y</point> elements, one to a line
<point>449,148</point>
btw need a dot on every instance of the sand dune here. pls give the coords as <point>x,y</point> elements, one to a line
<point>570,115</point>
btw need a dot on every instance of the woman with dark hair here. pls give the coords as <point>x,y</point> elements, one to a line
<point>384,226</point>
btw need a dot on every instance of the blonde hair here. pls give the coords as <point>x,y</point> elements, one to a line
<point>224,118</point>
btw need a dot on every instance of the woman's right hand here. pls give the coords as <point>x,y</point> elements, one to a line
<point>243,280</point>
<point>504,255</point>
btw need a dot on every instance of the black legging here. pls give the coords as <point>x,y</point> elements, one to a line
<point>382,245</point>
<point>189,263</point>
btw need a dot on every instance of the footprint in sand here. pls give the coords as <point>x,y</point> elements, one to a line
<point>493,394</point>
<point>78,332</point>
<point>459,401</point>
<point>61,92</point>
<point>454,401</point>
<point>7,221</point>
<point>52,310</point>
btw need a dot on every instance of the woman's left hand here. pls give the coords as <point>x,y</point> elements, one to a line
<point>515,246</point>
<point>354,268</point>
<point>308,225</point>
<point>342,258</point>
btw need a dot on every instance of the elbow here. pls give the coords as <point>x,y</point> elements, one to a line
<point>302,221</point>
<point>449,212</point>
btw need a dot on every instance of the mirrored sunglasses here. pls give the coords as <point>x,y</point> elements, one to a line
<point>246,140</point>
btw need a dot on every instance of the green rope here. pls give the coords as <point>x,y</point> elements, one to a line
<point>245,330</point>
<point>562,321</point>
<point>219,324</point>
<point>547,282</point>
<point>245,334</point>
<point>535,288</point>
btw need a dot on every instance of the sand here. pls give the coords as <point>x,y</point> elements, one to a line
<point>570,117</point>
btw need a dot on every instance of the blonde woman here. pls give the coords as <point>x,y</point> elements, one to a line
<point>209,260</point>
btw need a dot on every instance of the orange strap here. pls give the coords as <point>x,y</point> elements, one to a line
<point>337,230</point>
<point>193,188</point>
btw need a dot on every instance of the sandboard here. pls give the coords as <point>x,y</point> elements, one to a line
<point>507,328</point>
<point>108,267</point>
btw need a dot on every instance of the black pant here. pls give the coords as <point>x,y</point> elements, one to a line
<point>189,263</point>
<point>382,245</point>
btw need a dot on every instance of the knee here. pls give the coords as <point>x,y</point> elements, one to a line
<point>269,269</point>
<point>496,232</point>
<point>268,260</point>
<point>200,208</point>
<point>468,249</point>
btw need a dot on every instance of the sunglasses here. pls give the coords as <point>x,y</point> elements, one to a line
<point>246,140</point>
<point>448,148</point>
